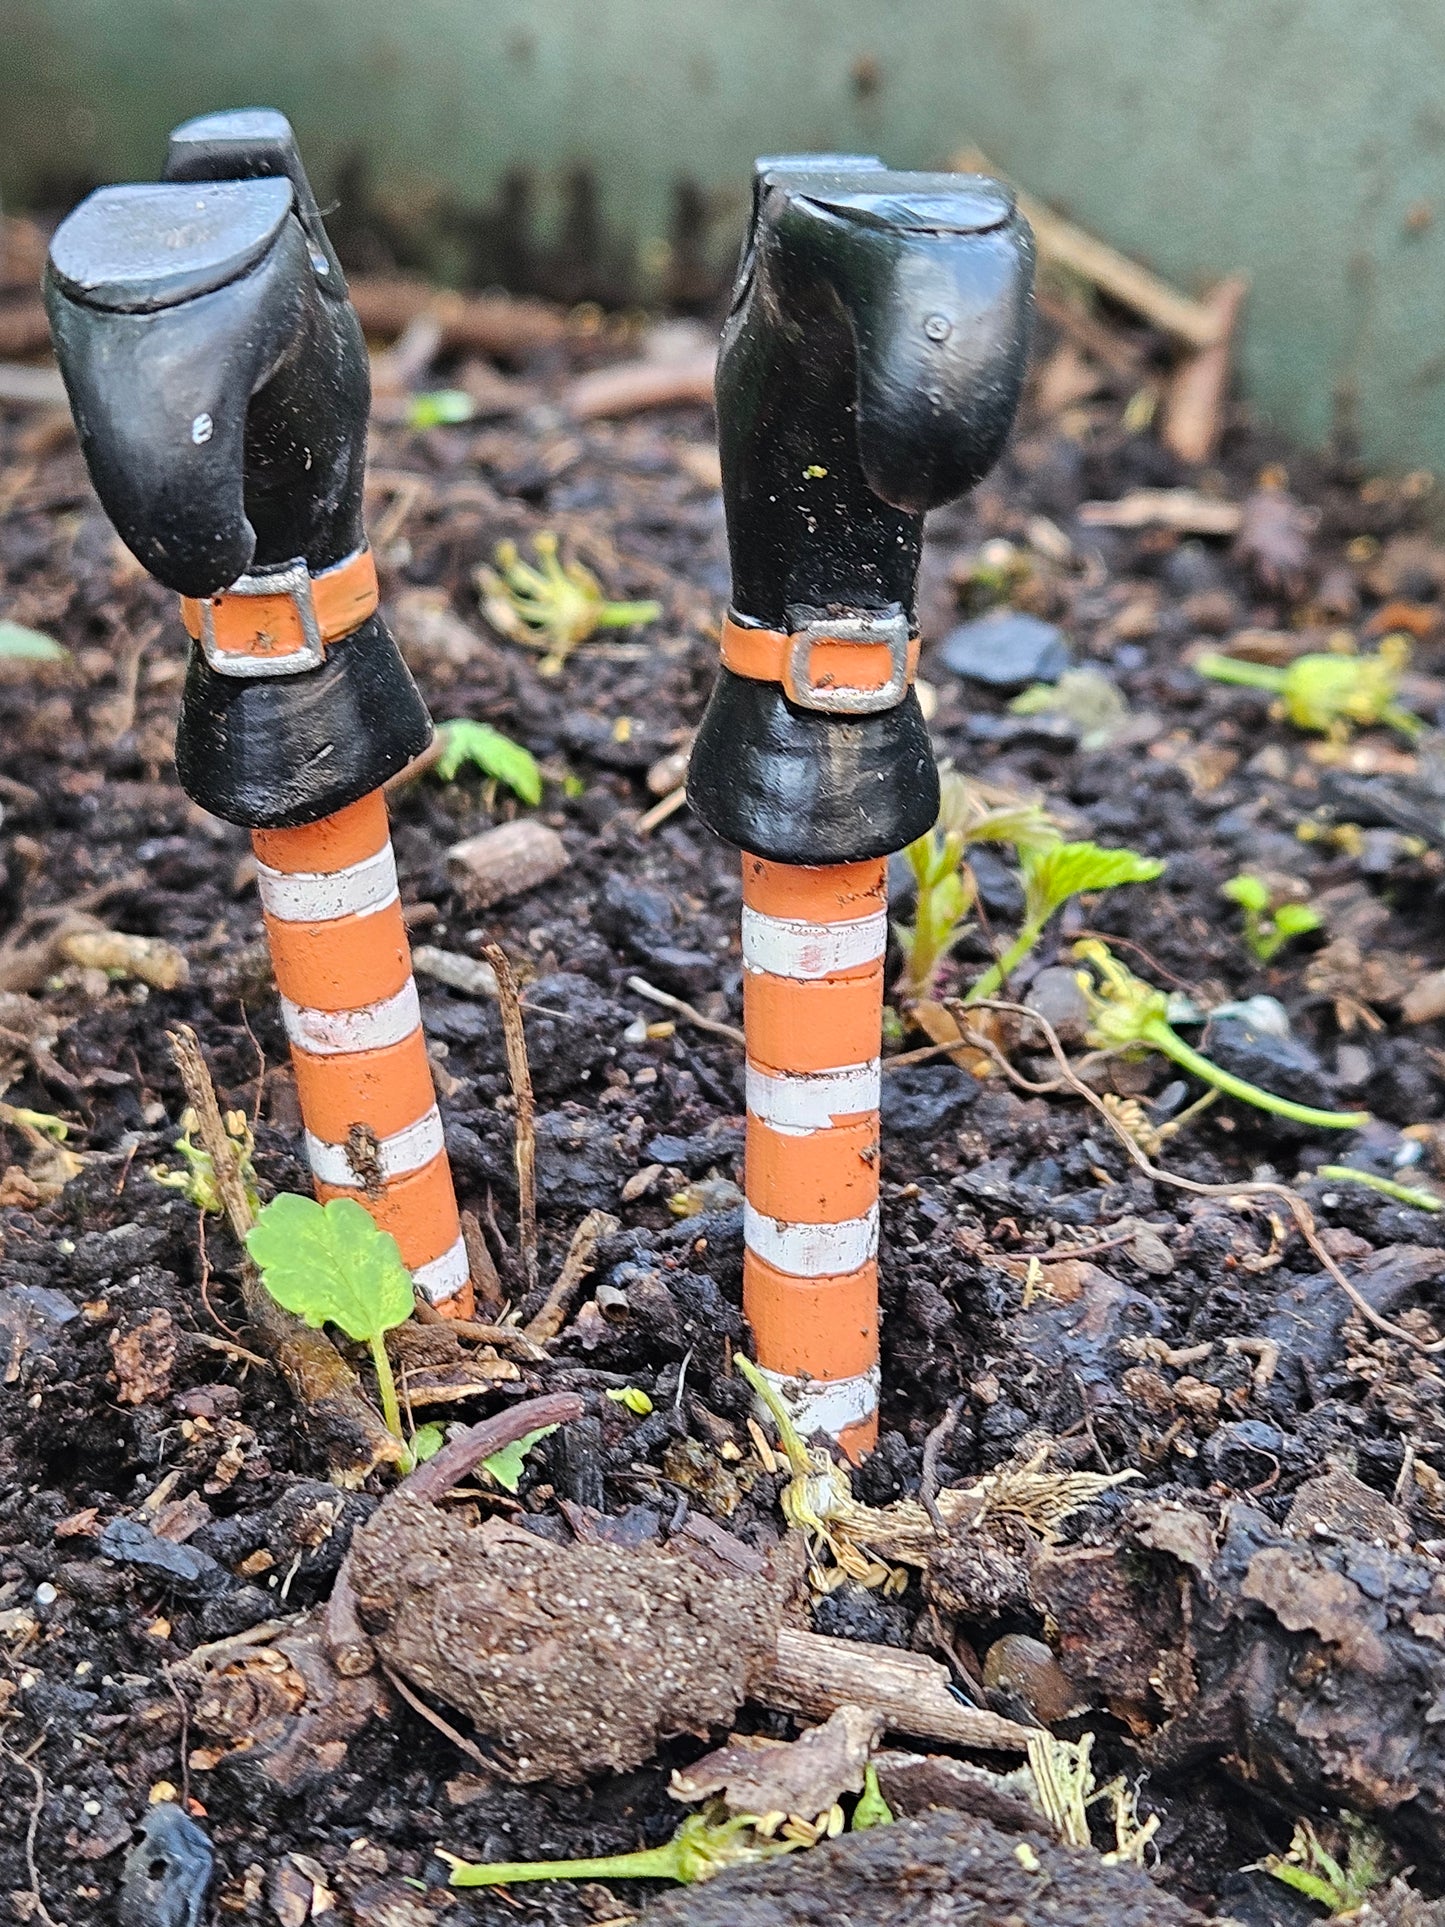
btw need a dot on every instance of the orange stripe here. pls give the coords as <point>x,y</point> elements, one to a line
<point>331,843</point>
<point>796,1026</point>
<point>464,1305</point>
<point>832,893</point>
<point>856,1441</point>
<point>765,655</point>
<point>343,964</point>
<point>819,1179</point>
<point>383,1090</point>
<point>270,625</point>
<point>419,1210</point>
<point>825,1327</point>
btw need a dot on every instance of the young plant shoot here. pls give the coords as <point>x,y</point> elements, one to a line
<point>331,1264</point>
<point>553,606</point>
<point>1269,923</point>
<point>1051,875</point>
<point>495,755</point>
<point>945,886</point>
<point>1329,694</point>
<point>704,1845</point>
<point>1126,1014</point>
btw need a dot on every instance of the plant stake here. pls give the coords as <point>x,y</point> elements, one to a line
<point>219,381</point>
<point>869,371</point>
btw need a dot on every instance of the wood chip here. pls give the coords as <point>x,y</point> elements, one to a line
<point>506,861</point>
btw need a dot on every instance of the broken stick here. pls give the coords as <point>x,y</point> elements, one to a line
<point>1060,242</point>
<point>814,1675</point>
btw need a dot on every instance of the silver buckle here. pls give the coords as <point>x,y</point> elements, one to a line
<point>798,681</point>
<point>294,580</point>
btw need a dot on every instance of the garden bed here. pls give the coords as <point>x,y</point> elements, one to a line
<point>1192,1338</point>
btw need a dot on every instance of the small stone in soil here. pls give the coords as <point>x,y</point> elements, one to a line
<point>1006,650</point>
<point>166,1873</point>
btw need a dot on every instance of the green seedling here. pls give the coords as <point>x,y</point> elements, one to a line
<point>426,1441</point>
<point>1084,697</point>
<point>945,887</point>
<point>507,1466</point>
<point>553,606</point>
<point>495,755</point>
<point>19,644</point>
<point>45,1122</point>
<point>872,1809</point>
<point>1402,1193</point>
<point>440,408</point>
<point>634,1398</point>
<point>1128,1015</point>
<point>331,1264</point>
<point>1329,694</point>
<point>197,1182</point>
<point>1051,874</point>
<point>1311,1869</point>
<point>1268,925</point>
<point>701,1847</point>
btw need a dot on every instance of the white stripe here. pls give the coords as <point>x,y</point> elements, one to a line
<point>797,1103</point>
<point>443,1277</point>
<point>329,1033</point>
<point>396,1155</point>
<point>828,1405</point>
<point>320,896</point>
<point>796,947</point>
<point>812,1250</point>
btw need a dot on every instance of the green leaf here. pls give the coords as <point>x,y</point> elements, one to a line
<point>19,644</point>
<point>496,755</point>
<point>1249,892</point>
<point>442,408</point>
<point>426,1442</point>
<point>331,1264</point>
<point>1296,919</point>
<point>506,1466</point>
<point>634,1398</point>
<point>1052,873</point>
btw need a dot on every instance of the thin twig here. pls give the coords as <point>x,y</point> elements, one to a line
<point>660,812</point>
<point>185,1744</point>
<point>668,1002</point>
<point>932,1452</point>
<point>482,1266</point>
<point>444,1727</point>
<point>596,1226</point>
<point>231,1350</point>
<point>1256,1188</point>
<point>22,1759</point>
<point>514,1036</point>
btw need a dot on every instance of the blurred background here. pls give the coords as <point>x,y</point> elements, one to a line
<point>600,149</point>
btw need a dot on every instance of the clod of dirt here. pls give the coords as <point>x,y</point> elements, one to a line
<point>284,1710</point>
<point>570,1659</point>
<point>949,1870</point>
<point>1310,1667</point>
<point>1400,1907</point>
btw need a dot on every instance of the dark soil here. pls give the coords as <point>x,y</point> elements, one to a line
<point>94,1423</point>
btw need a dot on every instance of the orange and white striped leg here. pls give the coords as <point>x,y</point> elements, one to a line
<point>343,966</point>
<point>813,943</point>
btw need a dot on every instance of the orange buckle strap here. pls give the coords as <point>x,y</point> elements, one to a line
<point>840,666</point>
<point>280,621</point>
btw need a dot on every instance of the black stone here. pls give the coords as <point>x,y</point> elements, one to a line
<point>1006,649</point>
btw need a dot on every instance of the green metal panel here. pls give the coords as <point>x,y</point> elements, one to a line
<point>1300,140</point>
